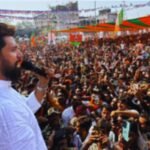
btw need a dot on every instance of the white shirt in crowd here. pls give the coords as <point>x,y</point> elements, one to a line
<point>19,129</point>
<point>67,115</point>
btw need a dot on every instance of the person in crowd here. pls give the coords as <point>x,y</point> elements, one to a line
<point>76,109</point>
<point>53,124</point>
<point>143,131</point>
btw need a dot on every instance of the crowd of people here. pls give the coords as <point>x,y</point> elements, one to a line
<point>98,95</point>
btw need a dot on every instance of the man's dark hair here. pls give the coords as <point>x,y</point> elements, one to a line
<point>85,122</point>
<point>5,30</point>
<point>75,104</point>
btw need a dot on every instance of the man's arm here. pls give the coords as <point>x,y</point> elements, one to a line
<point>128,113</point>
<point>35,99</point>
<point>16,130</point>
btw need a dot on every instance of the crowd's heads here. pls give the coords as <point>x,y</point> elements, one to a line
<point>84,123</point>
<point>144,122</point>
<point>51,111</point>
<point>80,110</point>
<point>60,140</point>
<point>105,114</point>
<point>103,126</point>
<point>122,104</point>
<point>53,118</point>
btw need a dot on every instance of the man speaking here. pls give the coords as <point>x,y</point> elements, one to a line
<point>19,129</point>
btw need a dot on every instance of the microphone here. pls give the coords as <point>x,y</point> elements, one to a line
<point>27,65</point>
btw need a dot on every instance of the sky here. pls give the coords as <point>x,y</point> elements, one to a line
<point>43,4</point>
<point>82,4</point>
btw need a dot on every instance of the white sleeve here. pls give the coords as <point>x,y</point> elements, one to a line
<point>33,103</point>
<point>15,129</point>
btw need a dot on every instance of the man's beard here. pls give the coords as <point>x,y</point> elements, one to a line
<point>10,72</point>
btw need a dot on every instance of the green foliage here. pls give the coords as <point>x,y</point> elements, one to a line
<point>24,29</point>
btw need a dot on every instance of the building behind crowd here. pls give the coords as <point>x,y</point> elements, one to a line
<point>59,17</point>
<point>106,15</point>
<point>68,16</point>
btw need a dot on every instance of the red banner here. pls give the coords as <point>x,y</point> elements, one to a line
<point>75,38</point>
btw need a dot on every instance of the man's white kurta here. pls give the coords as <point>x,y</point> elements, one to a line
<point>19,129</point>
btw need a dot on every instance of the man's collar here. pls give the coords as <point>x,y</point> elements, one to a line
<point>4,83</point>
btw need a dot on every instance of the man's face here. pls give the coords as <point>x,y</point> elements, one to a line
<point>143,124</point>
<point>105,114</point>
<point>10,60</point>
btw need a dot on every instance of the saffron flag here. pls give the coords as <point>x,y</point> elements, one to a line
<point>32,40</point>
<point>119,20</point>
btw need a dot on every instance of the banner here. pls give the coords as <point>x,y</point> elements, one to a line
<point>119,20</point>
<point>75,38</point>
<point>51,38</point>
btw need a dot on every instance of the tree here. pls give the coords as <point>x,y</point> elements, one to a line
<point>24,28</point>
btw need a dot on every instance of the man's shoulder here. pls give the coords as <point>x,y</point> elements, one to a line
<point>6,110</point>
<point>68,109</point>
<point>6,105</point>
